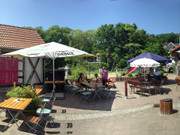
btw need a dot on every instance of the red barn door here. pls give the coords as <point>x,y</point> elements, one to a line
<point>8,71</point>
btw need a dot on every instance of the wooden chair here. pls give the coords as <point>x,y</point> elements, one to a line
<point>38,89</point>
<point>37,122</point>
<point>34,123</point>
<point>177,79</point>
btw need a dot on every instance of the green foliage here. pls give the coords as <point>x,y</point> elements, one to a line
<point>82,40</point>
<point>115,43</point>
<point>122,63</point>
<point>76,70</point>
<point>57,34</point>
<point>167,38</point>
<point>25,92</point>
<point>85,67</point>
<point>41,32</point>
<point>156,48</point>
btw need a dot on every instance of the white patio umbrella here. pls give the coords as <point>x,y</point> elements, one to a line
<point>144,62</point>
<point>51,50</point>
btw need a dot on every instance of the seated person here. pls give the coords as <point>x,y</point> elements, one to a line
<point>156,78</point>
<point>157,74</point>
<point>97,79</point>
<point>68,82</point>
<point>82,80</point>
<point>111,83</point>
<point>139,77</point>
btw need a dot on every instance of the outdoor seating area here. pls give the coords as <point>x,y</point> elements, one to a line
<point>33,106</point>
<point>45,102</point>
<point>48,86</point>
<point>16,109</point>
<point>142,86</point>
<point>78,99</point>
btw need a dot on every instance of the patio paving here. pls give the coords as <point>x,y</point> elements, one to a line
<point>115,116</point>
<point>147,121</point>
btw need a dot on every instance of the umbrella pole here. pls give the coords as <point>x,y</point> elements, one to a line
<point>144,74</point>
<point>53,76</point>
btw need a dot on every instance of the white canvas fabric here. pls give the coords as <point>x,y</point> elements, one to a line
<point>52,50</point>
<point>144,62</point>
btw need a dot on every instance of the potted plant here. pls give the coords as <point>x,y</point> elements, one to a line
<point>25,92</point>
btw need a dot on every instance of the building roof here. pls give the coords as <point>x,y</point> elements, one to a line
<point>176,48</point>
<point>18,37</point>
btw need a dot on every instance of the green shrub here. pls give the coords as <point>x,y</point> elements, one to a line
<point>76,70</point>
<point>25,92</point>
<point>122,63</point>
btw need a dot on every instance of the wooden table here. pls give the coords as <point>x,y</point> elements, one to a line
<point>51,82</point>
<point>87,85</point>
<point>136,83</point>
<point>130,81</point>
<point>16,104</point>
<point>94,87</point>
<point>139,84</point>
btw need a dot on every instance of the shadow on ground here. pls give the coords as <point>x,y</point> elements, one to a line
<point>3,128</point>
<point>74,101</point>
<point>40,129</point>
<point>174,111</point>
<point>170,82</point>
<point>153,91</point>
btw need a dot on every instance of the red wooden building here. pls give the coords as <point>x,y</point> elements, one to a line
<point>19,70</point>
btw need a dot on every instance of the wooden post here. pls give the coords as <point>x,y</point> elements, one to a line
<point>23,70</point>
<point>14,84</point>
<point>43,69</point>
<point>126,88</point>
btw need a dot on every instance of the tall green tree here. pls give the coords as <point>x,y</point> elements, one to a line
<point>57,34</point>
<point>82,40</point>
<point>115,43</point>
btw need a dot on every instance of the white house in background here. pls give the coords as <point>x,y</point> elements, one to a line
<point>170,46</point>
<point>176,54</point>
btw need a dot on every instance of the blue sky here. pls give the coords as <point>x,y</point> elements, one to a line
<point>155,16</point>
